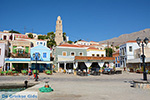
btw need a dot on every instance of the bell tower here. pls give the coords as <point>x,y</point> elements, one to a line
<point>59,31</point>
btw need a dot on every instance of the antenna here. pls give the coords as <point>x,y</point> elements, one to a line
<point>24,29</point>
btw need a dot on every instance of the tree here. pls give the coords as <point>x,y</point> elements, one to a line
<point>47,37</point>
<point>75,41</point>
<point>109,52</point>
<point>51,43</point>
<point>30,35</point>
<point>51,35</point>
<point>64,36</point>
<point>117,47</point>
<point>14,32</point>
<point>41,37</point>
<point>70,42</point>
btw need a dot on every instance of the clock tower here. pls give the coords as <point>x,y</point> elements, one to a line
<point>59,31</point>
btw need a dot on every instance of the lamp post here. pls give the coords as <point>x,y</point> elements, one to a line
<point>146,40</point>
<point>36,56</point>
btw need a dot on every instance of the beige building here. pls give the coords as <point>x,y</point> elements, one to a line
<point>35,36</point>
<point>59,31</point>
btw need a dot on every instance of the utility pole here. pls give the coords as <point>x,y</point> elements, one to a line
<point>24,29</point>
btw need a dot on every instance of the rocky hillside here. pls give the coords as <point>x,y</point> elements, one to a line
<point>126,37</point>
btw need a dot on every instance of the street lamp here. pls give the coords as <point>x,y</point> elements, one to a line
<point>146,40</point>
<point>36,56</point>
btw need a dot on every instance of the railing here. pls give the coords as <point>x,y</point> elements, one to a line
<point>20,55</point>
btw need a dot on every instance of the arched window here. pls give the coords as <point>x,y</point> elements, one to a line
<point>81,54</point>
<point>72,54</point>
<point>93,55</point>
<point>102,55</point>
<point>64,53</point>
<point>97,55</point>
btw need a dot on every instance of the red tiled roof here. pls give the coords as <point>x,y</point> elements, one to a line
<point>20,40</point>
<point>133,41</point>
<point>71,45</point>
<point>94,41</point>
<point>93,48</point>
<point>93,58</point>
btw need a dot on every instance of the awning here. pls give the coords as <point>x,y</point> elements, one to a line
<point>42,62</point>
<point>20,48</point>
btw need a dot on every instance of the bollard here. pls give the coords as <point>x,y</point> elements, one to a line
<point>26,83</point>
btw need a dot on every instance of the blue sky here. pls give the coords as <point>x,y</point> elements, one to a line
<point>90,20</point>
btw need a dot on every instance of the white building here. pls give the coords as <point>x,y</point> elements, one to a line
<point>130,52</point>
<point>7,36</point>
<point>82,42</point>
<point>35,36</point>
<point>4,50</point>
<point>91,51</point>
<point>41,42</point>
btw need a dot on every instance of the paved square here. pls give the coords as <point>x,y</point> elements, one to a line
<point>104,87</point>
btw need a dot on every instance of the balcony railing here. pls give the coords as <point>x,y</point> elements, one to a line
<point>20,55</point>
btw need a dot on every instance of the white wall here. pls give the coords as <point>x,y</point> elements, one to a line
<point>89,53</point>
<point>2,55</point>
<point>130,55</point>
<point>39,43</point>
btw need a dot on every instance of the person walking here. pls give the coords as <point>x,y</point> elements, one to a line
<point>29,73</point>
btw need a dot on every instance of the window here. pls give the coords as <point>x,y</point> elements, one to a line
<point>26,49</point>
<point>116,65</point>
<point>44,43</point>
<point>37,43</point>
<point>97,55</point>
<point>14,50</point>
<point>118,58</point>
<point>40,42</point>
<point>81,54</point>
<point>44,55</point>
<point>102,55</point>
<point>59,33</point>
<point>130,48</point>
<point>115,59</point>
<point>0,51</point>
<point>93,54</point>
<point>72,53</point>
<point>64,53</point>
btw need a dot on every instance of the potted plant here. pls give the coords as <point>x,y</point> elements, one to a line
<point>14,72</point>
<point>9,72</point>
<point>48,72</point>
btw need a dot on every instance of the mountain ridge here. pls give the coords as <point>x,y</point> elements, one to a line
<point>126,37</point>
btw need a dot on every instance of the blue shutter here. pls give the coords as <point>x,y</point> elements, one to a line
<point>44,55</point>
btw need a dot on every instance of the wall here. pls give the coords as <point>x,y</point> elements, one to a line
<point>41,49</point>
<point>89,53</point>
<point>69,50</point>
<point>3,48</point>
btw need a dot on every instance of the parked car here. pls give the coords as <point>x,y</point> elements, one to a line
<point>108,71</point>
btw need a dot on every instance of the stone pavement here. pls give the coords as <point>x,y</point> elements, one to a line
<point>104,87</point>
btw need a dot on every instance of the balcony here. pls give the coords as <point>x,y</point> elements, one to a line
<point>20,55</point>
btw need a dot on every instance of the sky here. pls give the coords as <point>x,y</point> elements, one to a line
<point>89,20</point>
